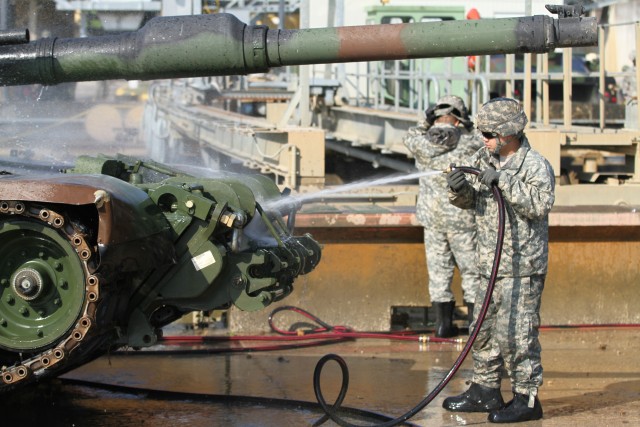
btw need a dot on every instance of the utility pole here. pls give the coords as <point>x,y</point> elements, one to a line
<point>5,13</point>
<point>32,24</point>
<point>305,71</point>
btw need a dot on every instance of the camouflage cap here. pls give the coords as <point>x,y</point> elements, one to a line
<point>454,106</point>
<point>504,116</point>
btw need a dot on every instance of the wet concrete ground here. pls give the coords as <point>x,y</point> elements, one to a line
<point>592,378</point>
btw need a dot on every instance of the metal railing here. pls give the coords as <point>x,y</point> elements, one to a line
<point>408,86</point>
<point>405,86</point>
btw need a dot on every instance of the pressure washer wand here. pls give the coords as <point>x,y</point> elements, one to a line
<point>330,411</point>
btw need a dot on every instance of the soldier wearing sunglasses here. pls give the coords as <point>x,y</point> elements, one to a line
<point>509,335</point>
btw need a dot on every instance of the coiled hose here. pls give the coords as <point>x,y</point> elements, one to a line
<point>331,411</point>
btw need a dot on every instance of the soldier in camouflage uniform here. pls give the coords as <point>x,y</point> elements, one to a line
<point>628,86</point>
<point>509,335</point>
<point>445,137</point>
<point>629,92</point>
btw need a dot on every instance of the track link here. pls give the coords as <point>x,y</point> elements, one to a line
<point>61,353</point>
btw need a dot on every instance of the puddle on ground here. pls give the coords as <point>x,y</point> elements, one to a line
<point>219,390</point>
<point>591,378</point>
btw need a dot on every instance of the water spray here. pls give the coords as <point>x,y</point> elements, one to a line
<point>331,411</point>
<point>284,204</point>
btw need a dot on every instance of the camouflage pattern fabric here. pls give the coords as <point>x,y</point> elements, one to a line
<point>504,116</point>
<point>452,105</point>
<point>509,335</point>
<point>449,233</point>
<point>628,86</point>
<point>527,184</point>
<point>444,250</point>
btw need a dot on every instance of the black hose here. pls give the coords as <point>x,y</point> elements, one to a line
<point>331,412</point>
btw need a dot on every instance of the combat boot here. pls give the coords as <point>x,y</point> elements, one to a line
<point>444,319</point>
<point>477,398</point>
<point>517,410</point>
<point>469,312</point>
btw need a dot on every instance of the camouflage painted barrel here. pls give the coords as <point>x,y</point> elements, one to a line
<point>220,44</point>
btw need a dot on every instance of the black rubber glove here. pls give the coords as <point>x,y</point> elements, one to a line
<point>456,180</point>
<point>489,177</point>
<point>430,115</point>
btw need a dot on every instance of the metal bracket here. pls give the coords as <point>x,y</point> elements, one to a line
<point>566,11</point>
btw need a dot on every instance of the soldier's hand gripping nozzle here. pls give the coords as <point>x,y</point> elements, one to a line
<point>456,178</point>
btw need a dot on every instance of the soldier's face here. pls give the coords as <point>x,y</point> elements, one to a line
<point>490,140</point>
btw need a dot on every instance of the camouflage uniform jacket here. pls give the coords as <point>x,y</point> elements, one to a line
<point>433,209</point>
<point>628,86</point>
<point>527,184</point>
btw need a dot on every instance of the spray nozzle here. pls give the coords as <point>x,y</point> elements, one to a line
<point>451,168</point>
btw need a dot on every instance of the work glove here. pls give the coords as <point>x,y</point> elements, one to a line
<point>430,115</point>
<point>456,180</point>
<point>489,177</point>
<point>444,134</point>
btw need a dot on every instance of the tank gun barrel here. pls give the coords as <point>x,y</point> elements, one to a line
<point>220,44</point>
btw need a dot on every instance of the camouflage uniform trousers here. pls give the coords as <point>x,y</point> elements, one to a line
<point>445,249</point>
<point>509,334</point>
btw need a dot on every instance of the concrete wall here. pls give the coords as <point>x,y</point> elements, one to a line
<point>594,278</point>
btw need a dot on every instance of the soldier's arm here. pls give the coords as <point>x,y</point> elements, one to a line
<point>474,141</point>
<point>534,197</point>
<point>421,147</point>
<point>414,138</point>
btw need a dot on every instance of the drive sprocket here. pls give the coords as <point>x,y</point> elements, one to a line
<point>48,294</point>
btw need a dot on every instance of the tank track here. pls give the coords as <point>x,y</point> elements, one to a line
<point>62,354</point>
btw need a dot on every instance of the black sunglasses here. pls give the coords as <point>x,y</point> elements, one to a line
<point>489,135</point>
